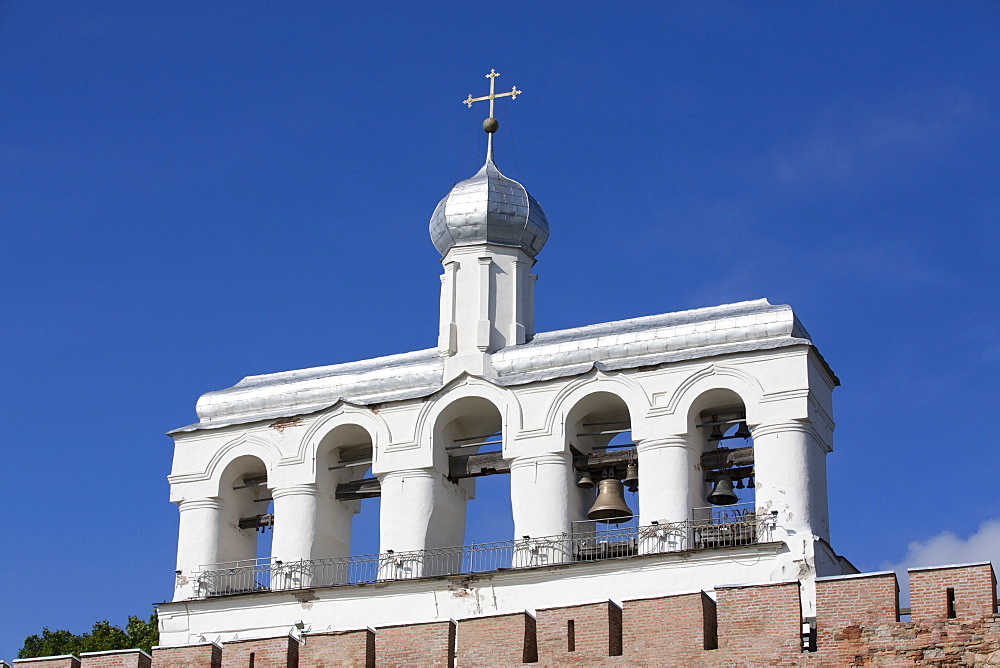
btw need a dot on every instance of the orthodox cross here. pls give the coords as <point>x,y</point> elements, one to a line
<point>513,93</point>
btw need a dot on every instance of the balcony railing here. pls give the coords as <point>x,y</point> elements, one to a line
<point>714,527</point>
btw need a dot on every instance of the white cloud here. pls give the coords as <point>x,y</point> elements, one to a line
<point>947,548</point>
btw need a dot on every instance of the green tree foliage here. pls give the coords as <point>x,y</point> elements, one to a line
<point>143,634</point>
<point>138,633</point>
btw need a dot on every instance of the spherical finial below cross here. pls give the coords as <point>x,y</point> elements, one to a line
<point>491,125</point>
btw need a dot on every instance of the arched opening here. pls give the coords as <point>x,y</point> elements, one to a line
<point>478,509</point>
<point>243,527</point>
<point>724,493</point>
<point>348,516</point>
<point>599,436</point>
<point>247,512</point>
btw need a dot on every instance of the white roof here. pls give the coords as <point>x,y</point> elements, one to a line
<point>623,344</point>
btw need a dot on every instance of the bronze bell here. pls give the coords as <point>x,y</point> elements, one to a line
<point>716,434</point>
<point>743,431</point>
<point>585,481</point>
<point>632,477</point>
<point>722,493</point>
<point>610,505</point>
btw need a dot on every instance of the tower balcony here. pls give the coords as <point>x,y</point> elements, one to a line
<point>711,529</point>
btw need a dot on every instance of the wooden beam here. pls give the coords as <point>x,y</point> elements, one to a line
<point>473,466</point>
<point>460,466</point>
<point>734,473</point>
<point>366,488</point>
<point>725,458</point>
<point>257,521</point>
<point>596,461</point>
<point>492,463</point>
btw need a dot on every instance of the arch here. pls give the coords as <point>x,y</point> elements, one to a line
<point>378,431</point>
<point>342,452</point>
<point>470,387</point>
<point>347,434</point>
<point>619,385</point>
<point>242,465</point>
<point>467,425</point>
<point>448,427</point>
<point>730,407</point>
<point>593,418</point>
<point>599,406</point>
<point>242,446</point>
<point>466,416</point>
<point>245,489</point>
<point>718,398</point>
<point>715,377</point>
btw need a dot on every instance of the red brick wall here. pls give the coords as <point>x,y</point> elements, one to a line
<point>847,605</point>
<point>338,648</point>
<point>498,640</point>
<point>757,625</point>
<point>429,644</point>
<point>673,630</point>
<point>760,621</point>
<point>207,655</point>
<point>597,631</point>
<point>931,643</point>
<point>280,652</point>
<point>975,592</point>
<point>132,658</point>
<point>48,662</point>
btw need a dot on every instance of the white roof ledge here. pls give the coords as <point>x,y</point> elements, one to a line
<point>623,344</point>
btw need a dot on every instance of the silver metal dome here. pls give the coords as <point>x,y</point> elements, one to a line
<point>489,208</point>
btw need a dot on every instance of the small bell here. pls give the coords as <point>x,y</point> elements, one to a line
<point>716,434</point>
<point>722,493</point>
<point>743,431</point>
<point>585,481</point>
<point>739,484</point>
<point>610,505</point>
<point>632,477</point>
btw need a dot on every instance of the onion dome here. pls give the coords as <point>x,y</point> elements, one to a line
<point>489,208</point>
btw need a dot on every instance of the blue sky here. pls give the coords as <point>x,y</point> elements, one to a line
<point>194,192</point>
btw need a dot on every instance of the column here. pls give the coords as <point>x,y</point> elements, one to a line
<point>666,470</point>
<point>406,507</point>
<point>197,543</point>
<point>295,510</point>
<point>790,475</point>
<point>539,496</point>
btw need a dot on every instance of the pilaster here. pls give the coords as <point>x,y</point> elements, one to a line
<point>484,328</point>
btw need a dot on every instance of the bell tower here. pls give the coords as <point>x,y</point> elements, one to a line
<point>488,229</point>
<point>644,458</point>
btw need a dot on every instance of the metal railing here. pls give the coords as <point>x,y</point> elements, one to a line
<point>711,528</point>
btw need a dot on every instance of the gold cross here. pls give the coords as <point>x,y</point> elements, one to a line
<point>514,92</point>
